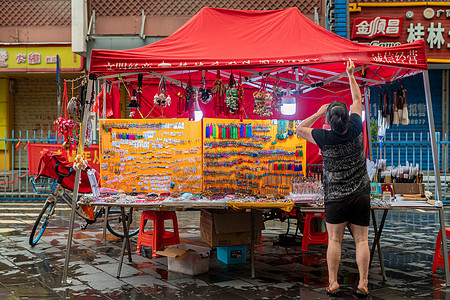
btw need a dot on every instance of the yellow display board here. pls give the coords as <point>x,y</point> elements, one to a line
<point>145,156</point>
<point>254,157</point>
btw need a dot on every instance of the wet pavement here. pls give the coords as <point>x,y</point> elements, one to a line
<point>282,271</point>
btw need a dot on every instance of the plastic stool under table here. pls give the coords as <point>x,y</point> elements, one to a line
<point>159,235</point>
<point>313,237</point>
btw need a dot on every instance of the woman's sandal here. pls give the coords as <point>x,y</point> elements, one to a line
<point>362,293</point>
<point>333,292</point>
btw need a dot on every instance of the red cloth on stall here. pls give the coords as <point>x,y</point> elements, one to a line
<point>98,104</point>
<point>115,99</point>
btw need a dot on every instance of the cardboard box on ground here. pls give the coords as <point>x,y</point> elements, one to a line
<point>220,228</point>
<point>186,258</point>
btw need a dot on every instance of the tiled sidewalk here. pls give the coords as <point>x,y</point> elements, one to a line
<point>282,272</point>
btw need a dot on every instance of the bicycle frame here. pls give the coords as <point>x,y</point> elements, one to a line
<point>60,192</point>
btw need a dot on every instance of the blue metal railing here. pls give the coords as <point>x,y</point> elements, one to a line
<point>397,148</point>
<point>15,184</point>
<point>402,147</point>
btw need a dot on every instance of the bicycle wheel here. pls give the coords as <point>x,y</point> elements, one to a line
<point>115,225</point>
<point>41,223</point>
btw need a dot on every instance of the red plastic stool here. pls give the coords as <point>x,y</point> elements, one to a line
<point>158,236</point>
<point>438,257</point>
<point>313,237</point>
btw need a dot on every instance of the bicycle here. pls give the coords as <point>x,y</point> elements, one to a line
<point>113,222</point>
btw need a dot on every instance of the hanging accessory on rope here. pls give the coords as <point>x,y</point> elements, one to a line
<point>380,109</point>
<point>387,110</point>
<point>232,94</point>
<point>282,133</point>
<point>277,94</point>
<point>241,99</point>
<point>90,121</point>
<point>405,117</point>
<point>181,99</point>
<point>80,163</point>
<point>64,126</point>
<point>204,93</point>
<point>219,92</point>
<point>400,103</point>
<point>74,109</point>
<point>395,118</point>
<point>391,108</point>
<point>263,100</point>
<point>189,95</point>
<point>161,98</point>
<point>291,128</point>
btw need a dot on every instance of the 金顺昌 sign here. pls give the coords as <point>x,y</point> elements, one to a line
<point>377,26</point>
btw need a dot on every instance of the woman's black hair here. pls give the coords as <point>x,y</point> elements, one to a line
<point>337,116</point>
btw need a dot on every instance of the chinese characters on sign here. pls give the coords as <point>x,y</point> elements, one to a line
<point>377,26</point>
<point>50,59</point>
<point>3,58</point>
<point>435,34</point>
<point>432,24</point>
<point>39,58</point>
<point>112,66</point>
<point>417,113</point>
<point>35,151</point>
<point>21,58</point>
<point>34,58</point>
<point>398,57</point>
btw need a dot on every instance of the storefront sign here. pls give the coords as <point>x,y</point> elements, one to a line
<point>376,25</point>
<point>35,151</point>
<point>39,58</point>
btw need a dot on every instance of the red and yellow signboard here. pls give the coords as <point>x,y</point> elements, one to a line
<point>39,58</point>
<point>392,24</point>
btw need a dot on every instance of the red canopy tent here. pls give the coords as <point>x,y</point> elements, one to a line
<point>258,40</point>
<point>264,44</point>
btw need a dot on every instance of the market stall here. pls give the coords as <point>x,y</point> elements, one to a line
<point>239,77</point>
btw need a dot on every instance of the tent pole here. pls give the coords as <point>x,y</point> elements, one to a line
<point>437,177</point>
<point>77,181</point>
<point>367,113</point>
